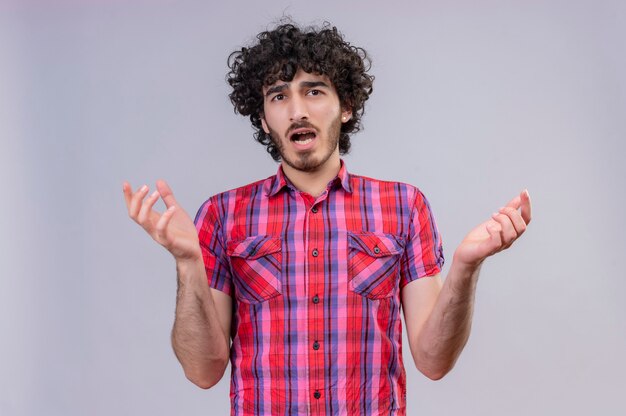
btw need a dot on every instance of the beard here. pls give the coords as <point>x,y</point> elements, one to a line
<point>307,161</point>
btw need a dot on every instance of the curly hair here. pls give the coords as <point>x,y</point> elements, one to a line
<point>279,53</point>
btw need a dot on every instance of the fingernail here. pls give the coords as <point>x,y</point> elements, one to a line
<point>144,188</point>
<point>155,193</point>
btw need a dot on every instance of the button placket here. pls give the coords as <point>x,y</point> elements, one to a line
<point>315,262</point>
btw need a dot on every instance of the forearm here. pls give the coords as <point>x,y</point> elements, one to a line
<point>447,328</point>
<point>199,342</point>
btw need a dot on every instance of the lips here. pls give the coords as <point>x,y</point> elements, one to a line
<point>302,135</point>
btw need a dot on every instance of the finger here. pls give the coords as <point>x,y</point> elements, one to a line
<point>126,188</point>
<point>146,208</point>
<point>135,202</point>
<point>526,206</point>
<point>161,227</point>
<point>166,193</point>
<point>516,219</point>
<point>508,232</point>
<point>515,202</point>
<point>495,237</point>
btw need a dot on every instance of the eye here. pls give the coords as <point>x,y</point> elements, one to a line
<point>278,97</point>
<point>315,92</point>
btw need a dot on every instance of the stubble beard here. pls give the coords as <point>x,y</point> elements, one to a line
<point>306,161</point>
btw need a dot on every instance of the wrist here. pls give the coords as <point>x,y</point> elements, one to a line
<point>464,267</point>
<point>189,267</point>
<point>190,260</point>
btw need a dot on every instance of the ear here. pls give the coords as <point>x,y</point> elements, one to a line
<point>346,115</point>
<point>264,125</point>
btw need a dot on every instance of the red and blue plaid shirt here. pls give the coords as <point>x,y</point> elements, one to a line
<point>316,287</point>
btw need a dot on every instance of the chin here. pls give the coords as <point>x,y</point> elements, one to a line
<point>305,163</point>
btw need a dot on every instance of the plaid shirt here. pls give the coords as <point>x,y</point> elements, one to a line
<point>316,286</point>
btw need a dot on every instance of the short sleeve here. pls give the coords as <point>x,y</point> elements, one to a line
<point>213,248</point>
<point>423,255</point>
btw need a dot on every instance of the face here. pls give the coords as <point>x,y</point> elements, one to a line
<point>303,118</point>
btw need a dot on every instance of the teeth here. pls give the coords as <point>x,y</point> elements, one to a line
<point>300,137</point>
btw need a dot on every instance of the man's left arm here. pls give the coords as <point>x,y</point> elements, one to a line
<point>438,316</point>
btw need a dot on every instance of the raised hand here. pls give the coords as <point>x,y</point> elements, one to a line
<point>497,233</point>
<point>173,229</point>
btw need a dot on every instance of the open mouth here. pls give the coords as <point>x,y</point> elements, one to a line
<point>302,136</point>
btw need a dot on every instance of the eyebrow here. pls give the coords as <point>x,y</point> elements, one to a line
<point>305,84</point>
<point>313,84</point>
<point>275,89</point>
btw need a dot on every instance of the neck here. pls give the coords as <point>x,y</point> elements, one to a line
<point>313,183</point>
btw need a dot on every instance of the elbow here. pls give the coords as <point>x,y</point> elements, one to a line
<point>435,374</point>
<point>205,379</point>
<point>434,361</point>
<point>204,383</point>
<point>434,367</point>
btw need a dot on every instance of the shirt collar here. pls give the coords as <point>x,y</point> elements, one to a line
<point>281,181</point>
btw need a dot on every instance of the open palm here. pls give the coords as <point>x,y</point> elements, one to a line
<point>173,229</point>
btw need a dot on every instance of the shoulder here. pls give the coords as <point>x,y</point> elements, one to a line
<point>362,183</point>
<point>225,201</point>
<point>409,198</point>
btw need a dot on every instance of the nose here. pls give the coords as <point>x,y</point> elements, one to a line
<point>298,109</point>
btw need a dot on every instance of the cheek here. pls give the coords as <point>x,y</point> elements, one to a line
<point>329,113</point>
<point>271,122</point>
<point>276,114</point>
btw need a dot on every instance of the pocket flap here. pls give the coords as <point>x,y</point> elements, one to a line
<point>376,244</point>
<point>254,247</point>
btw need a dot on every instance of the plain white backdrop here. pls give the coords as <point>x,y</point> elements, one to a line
<point>473,102</point>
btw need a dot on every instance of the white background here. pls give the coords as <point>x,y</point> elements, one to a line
<point>473,102</point>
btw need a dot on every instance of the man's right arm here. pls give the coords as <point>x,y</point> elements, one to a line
<point>201,333</point>
<point>200,336</point>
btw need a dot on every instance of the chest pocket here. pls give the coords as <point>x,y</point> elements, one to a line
<point>257,265</point>
<point>373,261</point>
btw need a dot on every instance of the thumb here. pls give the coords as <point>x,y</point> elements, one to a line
<point>166,193</point>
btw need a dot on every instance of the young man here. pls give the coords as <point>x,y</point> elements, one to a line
<point>308,270</point>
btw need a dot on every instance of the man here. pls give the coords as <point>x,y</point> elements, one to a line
<point>308,270</point>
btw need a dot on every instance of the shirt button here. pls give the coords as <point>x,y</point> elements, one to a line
<point>376,250</point>
<point>316,345</point>
<point>315,252</point>
<point>317,394</point>
<point>316,299</point>
<point>314,210</point>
